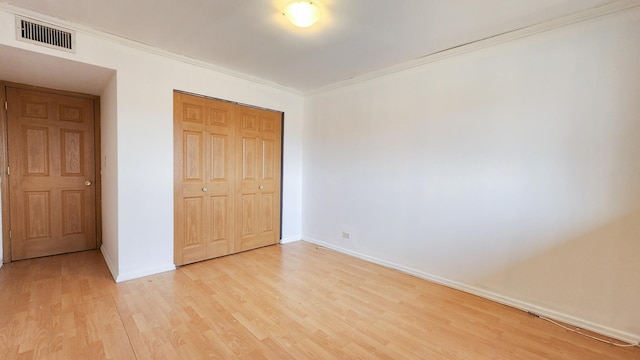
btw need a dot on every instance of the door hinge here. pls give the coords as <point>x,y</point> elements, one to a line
<point>9,234</point>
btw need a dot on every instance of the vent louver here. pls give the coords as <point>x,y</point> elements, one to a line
<point>44,34</point>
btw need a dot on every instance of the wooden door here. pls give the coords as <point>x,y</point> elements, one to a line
<point>258,163</point>
<point>52,192</point>
<point>227,161</point>
<point>204,170</point>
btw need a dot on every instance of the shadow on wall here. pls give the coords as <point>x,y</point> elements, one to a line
<point>593,276</point>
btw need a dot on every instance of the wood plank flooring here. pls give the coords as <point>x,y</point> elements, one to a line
<point>294,301</point>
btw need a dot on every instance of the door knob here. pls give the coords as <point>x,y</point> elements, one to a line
<point>260,187</point>
<point>87,182</point>
<point>204,189</point>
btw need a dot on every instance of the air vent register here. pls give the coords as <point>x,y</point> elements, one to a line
<point>40,33</point>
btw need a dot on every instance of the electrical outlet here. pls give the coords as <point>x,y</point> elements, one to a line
<point>345,235</point>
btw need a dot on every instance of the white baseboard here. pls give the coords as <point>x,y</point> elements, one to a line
<point>289,240</point>
<point>505,300</point>
<point>144,272</point>
<point>117,277</point>
<point>110,264</point>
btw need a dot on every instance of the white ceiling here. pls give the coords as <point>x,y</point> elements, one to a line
<point>353,37</point>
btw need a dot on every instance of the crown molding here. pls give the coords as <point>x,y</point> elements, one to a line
<point>143,47</point>
<point>596,12</point>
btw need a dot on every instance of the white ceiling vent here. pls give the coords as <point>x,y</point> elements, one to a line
<point>40,33</point>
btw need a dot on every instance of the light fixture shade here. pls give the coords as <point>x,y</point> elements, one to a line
<point>302,13</point>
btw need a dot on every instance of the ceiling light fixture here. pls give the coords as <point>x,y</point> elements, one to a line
<point>302,13</point>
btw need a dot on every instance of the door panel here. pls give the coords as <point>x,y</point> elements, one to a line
<point>38,216</point>
<point>51,156</point>
<point>71,152</point>
<point>259,191</point>
<point>73,211</point>
<point>193,156</point>
<point>204,135</point>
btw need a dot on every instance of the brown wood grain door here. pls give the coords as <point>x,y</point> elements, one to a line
<point>52,192</point>
<point>204,170</point>
<point>258,164</point>
<point>227,160</point>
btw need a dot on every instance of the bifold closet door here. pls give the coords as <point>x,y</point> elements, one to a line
<point>258,153</point>
<point>204,176</point>
<point>227,161</point>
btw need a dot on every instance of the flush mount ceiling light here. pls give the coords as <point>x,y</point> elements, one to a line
<point>302,13</point>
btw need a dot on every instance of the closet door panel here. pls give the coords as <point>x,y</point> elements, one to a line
<point>259,190</point>
<point>204,178</point>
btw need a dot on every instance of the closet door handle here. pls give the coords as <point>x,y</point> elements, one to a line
<point>261,187</point>
<point>204,189</point>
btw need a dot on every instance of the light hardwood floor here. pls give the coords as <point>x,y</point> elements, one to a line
<point>295,301</point>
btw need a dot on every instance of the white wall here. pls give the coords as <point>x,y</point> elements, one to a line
<point>109,173</point>
<point>137,140</point>
<point>512,172</point>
